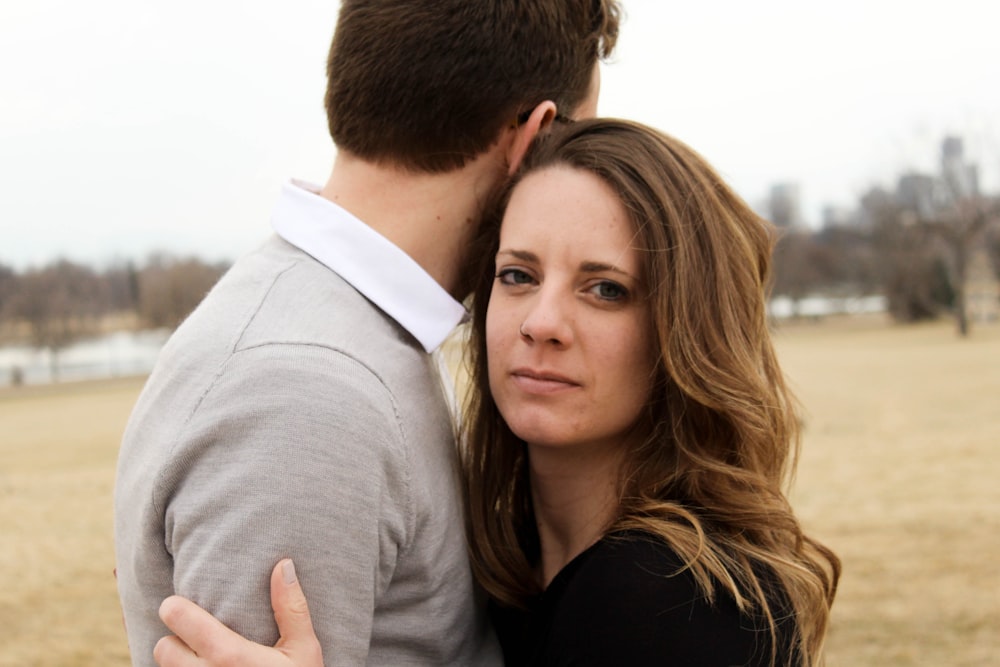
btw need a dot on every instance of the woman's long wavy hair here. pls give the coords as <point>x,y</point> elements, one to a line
<point>720,428</point>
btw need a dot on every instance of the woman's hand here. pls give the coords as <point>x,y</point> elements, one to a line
<point>202,641</point>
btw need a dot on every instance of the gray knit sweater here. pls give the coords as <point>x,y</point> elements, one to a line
<point>290,417</point>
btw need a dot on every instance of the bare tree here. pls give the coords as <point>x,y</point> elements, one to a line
<point>801,266</point>
<point>993,247</point>
<point>835,262</point>
<point>60,303</point>
<point>8,286</point>
<point>925,234</point>
<point>852,266</point>
<point>170,288</point>
<point>961,227</point>
<point>910,264</point>
<point>959,220</point>
<point>122,279</point>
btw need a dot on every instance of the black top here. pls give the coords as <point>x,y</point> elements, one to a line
<point>622,602</point>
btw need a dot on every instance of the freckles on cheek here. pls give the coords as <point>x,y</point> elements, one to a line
<point>497,331</point>
<point>495,349</point>
<point>494,341</point>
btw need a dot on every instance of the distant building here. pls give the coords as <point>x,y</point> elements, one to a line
<point>785,205</point>
<point>839,216</point>
<point>872,204</point>
<point>927,195</point>
<point>923,196</point>
<point>961,177</point>
<point>919,193</point>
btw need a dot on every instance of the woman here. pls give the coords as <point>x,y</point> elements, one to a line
<point>629,430</point>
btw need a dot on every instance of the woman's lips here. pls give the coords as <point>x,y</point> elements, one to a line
<point>541,382</point>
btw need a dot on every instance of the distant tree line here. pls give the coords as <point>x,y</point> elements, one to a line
<point>917,246</point>
<point>54,305</point>
<point>920,246</point>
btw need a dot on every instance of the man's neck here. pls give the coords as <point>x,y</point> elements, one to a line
<point>431,217</point>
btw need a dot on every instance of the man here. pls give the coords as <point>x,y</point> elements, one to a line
<point>298,410</point>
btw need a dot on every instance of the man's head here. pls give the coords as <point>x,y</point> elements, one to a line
<point>429,85</point>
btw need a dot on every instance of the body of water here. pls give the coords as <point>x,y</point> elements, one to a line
<point>821,306</point>
<point>114,355</point>
<point>134,352</point>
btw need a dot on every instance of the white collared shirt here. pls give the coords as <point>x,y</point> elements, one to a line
<point>379,270</point>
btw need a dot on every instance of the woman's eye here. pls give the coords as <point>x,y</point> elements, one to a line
<point>609,291</point>
<point>514,277</point>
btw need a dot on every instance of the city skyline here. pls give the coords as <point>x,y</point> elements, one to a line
<point>132,127</point>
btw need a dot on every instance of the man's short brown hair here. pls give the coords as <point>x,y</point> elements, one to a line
<point>429,84</point>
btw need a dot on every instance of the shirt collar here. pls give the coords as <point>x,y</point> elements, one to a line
<point>379,270</point>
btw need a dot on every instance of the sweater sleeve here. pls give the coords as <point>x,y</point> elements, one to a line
<point>629,604</point>
<point>294,451</point>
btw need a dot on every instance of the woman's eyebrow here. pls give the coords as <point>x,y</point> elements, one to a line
<point>600,267</point>
<point>523,255</point>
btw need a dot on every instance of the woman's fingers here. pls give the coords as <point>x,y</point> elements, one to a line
<point>172,652</point>
<point>203,641</point>
<point>201,634</point>
<point>291,613</point>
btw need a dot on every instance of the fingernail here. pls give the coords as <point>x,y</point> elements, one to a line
<point>288,571</point>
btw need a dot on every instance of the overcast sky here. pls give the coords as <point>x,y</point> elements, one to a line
<point>133,125</point>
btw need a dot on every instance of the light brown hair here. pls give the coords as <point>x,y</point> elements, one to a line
<point>720,427</point>
<point>429,85</point>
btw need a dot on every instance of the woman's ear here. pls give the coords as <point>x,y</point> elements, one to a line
<point>540,119</point>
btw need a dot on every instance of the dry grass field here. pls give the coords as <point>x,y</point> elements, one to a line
<point>58,444</point>
<point>898,474</point>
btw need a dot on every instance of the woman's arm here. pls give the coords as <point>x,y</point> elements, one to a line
<point>202,641</point>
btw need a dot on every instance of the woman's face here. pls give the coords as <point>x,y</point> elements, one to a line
<point>568,332</point>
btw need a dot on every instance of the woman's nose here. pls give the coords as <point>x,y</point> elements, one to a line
<point>547,320</point>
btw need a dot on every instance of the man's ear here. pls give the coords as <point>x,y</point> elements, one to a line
<point>541,118</point>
